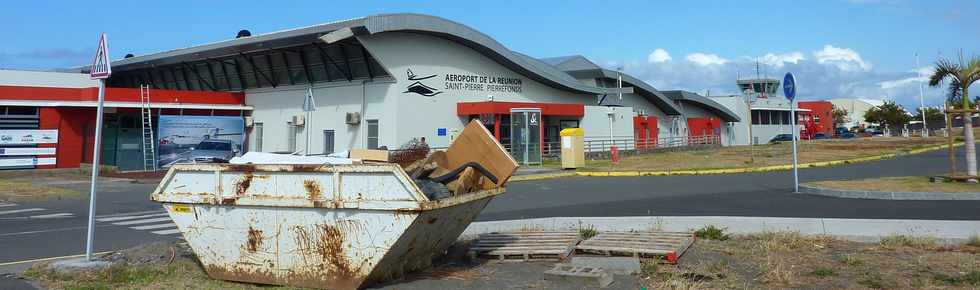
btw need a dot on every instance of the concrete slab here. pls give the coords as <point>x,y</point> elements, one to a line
<point>78,264</point>
<point>580,275</point>
<point>615,265</point>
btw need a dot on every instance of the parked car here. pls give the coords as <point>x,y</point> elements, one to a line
<point>846,135</point>
<point>841,131</point>
<point>783,137</point>
<point>820,136</point>
<point>213,151</point>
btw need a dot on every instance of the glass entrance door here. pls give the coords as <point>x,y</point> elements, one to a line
<point>525,135</point>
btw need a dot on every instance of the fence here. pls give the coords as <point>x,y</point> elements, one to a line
<point>596,147</point>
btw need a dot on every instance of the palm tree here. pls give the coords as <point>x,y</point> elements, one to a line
<point>960,77</point>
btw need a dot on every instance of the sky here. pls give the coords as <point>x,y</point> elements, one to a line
<point>836,48</point>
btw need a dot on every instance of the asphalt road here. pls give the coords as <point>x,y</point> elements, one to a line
<point>128,218</point>
<point>753,194</point>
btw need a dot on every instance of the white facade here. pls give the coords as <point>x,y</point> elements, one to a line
<point>768,117</point>
<point>401,115</point>
<point>855,110</point>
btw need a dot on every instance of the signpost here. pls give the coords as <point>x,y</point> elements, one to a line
<point>789,89</point>
<point>308,106</point>
<point>100,70</point>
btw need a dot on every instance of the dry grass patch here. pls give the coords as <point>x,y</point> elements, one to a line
<point>790,260</point>
<point>898,184</point>
<point>765,155</point>
<point>26,190</point>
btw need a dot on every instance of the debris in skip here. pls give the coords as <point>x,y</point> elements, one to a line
<point>337,222</point>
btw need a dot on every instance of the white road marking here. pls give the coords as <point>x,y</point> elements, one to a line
<point>128,213</point>
<point>145,221</point>
<point>167,232</point>
<point>54,215</point>
<point>21,210</point>
<point>4,204</point>
<point>122,218</point>
<point>151,227</point>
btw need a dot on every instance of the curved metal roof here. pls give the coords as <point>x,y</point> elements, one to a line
<point>402,22</point>
<point>645,89</point>
<point>704,102</point>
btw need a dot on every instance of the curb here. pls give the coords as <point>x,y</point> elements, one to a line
<point>541,176</point>
<point>887,195</point>
<point>863,230</point>
<point>763,168</point>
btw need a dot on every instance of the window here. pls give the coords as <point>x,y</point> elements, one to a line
<point>290,137</point>
<point>766,117</point>
<point>372,134</point>
<point>816,119</point>
<point>328,141</point>
<point>756,118</point>
<point>257,137</point>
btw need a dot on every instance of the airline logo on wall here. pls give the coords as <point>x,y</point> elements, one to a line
<point>418,87</point>
<point>464,82</point>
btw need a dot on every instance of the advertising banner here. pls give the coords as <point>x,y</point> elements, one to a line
<point>198,139</point>
<point>27,151</point>
<point>28,137</point>
<point>26,161</point>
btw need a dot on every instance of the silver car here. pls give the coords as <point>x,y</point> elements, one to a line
<point>213,151</point>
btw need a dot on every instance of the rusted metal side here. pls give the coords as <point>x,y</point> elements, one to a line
<point>330,227</point>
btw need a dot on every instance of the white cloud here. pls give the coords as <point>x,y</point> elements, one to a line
<point>703,59</point>
<point>921,76</point>
<point>778,60</point>
<point>819,80</point>
<point>845,59</point>
<point>659,55</point>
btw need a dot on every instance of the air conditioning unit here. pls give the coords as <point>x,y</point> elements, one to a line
<point>353,118</point>
<point>299,120</point>
<point>249,121</point>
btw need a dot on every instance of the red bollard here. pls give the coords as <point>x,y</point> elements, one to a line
<point>615,154</point>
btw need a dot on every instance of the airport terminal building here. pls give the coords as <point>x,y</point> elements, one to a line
<point>384,80</point>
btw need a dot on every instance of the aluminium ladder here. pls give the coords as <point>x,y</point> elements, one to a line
<point>149,154</point>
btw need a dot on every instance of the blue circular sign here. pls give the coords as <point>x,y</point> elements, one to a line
<point>789,86</point>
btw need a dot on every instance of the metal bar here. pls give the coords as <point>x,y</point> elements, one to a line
<point>187,80</point>
<point>90,236</point>
<point>306,66</point>
<point>324,61</point>
<point>238,70</point>
<point>211,72</point>
<point>257,72</point>
<point>197,74</point>
<point>367,62</point>
<point>323,53</point>
<point>149,75</point>
<point>285,61</point>
<point>224,71</point>
<point>272,70</point>
<point>343,53</point>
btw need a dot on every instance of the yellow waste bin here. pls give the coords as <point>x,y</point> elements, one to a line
<point>572,148</point>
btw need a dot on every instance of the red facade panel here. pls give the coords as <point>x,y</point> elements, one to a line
<point>821,117</point>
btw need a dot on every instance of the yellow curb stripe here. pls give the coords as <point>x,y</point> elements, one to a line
<point>51,258</point>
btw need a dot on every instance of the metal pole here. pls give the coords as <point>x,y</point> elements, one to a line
<point>796,173</point>
<point>95,172</point>
<point>309,127</point>
<point>922,106</point>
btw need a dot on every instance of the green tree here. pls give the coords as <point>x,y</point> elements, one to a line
<point>840,116</point>
<point>933,116</point>
<point>888,114</point>
<point>960,76</point>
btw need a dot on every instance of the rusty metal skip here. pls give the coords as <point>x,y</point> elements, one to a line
<point>318,226</point>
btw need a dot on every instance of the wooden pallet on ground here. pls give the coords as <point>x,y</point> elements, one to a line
<point>526,246</point>
<point>668,245</point>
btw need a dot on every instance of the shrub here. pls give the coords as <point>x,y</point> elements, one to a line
<point>823,272</point>
<point>711,232</point>
<point>908,241</point>
<point>587,232</point>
